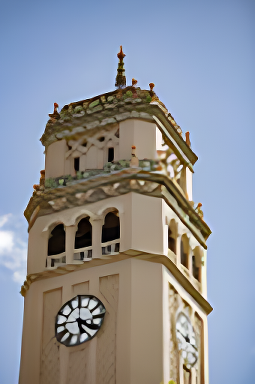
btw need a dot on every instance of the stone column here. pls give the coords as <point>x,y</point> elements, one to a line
<point>178,250</point>
<point>123,240</point>
<point>70,237</point>
<point>97,225</point>
<point>45,235</point>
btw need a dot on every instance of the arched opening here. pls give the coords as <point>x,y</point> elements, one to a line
<point>172,236</point>
<point>195,269</point>
<point>171,241</point>
<point>196,263</point>
<point>56,246</point>
<point>56,243</point>
<point>185,251</point>
<point>111,232</point>
<point>83,239</point>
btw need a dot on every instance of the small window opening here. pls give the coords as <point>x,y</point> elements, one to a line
<point>184,256</point>
<point>77,164</point>
<point>111,227</point>
<point>171,241</point>
<point>195,269</point>
<point>83,236</point>
<point>101,139</point>
<point>56,243</point>
<point>84,144</point>
<point>110,154</point>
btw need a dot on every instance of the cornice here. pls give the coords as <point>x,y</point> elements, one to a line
<point>82,192</point>
<point>161,259</point>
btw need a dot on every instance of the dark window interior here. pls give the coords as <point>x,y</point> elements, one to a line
<point>184,256</point>
<point>171,241</point>
<point>111,227</point>
<point>83,236</point>
<point>56,243</point>
<point>110,154</point>
<point>101,139</point>
<point>77,164</point>
<point>195,269</point>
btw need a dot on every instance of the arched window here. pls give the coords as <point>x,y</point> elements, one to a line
<point>111,233</point>
<point>83,239</point>
<point>195,269</point>
<point>172,235</point>
<point>83,236</point>
<point>185,251</point>
<point>111,227</point>
<point>56,243</point>
<point>56,246</point>
<point>196,263</point>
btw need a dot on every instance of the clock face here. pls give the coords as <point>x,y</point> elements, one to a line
<point>79,320</point>
<point>186,340</point>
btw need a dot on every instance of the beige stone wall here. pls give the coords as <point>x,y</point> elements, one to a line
<point>141,134</point>
<point>128,347</point>
<point>180,300</point>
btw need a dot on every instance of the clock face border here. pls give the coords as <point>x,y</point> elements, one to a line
<point>190,333</point>
<point>98,305</point>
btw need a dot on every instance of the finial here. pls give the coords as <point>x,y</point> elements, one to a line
<point>120,78</point>
<point>151,85</point>
<point>199,211</point>
<point>55,114</point>
<point>134,82</point>
<point>134,163</point>
<point>187,139</point>
<point>121,54</point>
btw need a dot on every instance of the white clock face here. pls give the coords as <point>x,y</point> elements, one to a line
<point>79,320</point>
<point>186,340</point>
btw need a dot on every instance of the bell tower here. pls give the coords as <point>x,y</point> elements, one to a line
<point>116,289</point>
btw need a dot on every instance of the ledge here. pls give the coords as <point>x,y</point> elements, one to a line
<point>82,192</point>
<point>161,259</point>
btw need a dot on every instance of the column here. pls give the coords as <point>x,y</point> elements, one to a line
<point>97,225</point>
<point>178,250</point>
<point>70,237</point>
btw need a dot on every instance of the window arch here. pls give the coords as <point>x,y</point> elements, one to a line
<point>196,263</point>
<point>172,236</point>
<point>83,239</point>
<point>56,246</point>
<point>83,235</point>
<point>111,227</point>
<point>111,233</point>
<point>185,251</point>
<point>57,239</point>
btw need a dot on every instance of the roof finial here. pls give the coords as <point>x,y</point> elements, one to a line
<point>120,78</point>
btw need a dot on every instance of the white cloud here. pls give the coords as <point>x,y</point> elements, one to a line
<point>13,249</point>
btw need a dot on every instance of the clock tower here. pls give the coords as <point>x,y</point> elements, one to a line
<point>116,290</point>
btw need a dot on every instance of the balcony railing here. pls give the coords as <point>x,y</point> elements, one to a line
<point>82,254</point>
<point>55,261</point>
<point>111,247</point>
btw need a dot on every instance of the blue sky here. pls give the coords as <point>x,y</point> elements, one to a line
<point>200,55</point>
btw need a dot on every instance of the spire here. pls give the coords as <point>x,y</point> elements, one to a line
<point>120,78</point>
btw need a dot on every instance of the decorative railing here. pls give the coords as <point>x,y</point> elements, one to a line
<point>55,261</point>
<point>82,254</point>
<point>111,247</point>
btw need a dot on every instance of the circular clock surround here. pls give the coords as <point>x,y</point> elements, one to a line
<point>186,340</point>
<point>79,319</point>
